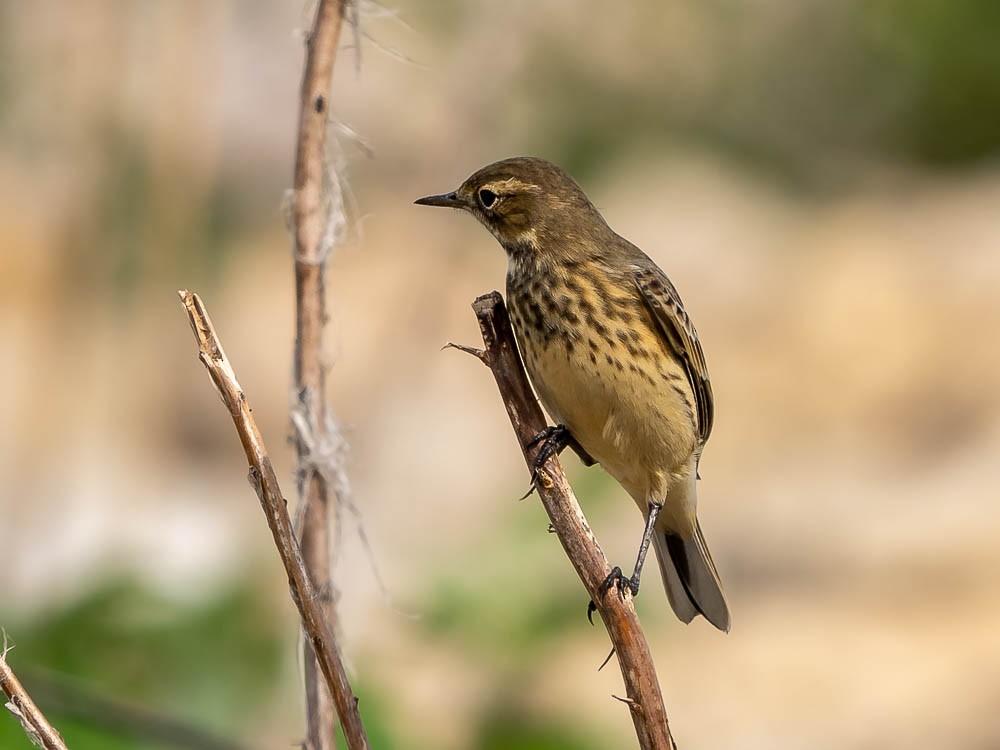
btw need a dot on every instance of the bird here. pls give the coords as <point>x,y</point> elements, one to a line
<point>614,358</point>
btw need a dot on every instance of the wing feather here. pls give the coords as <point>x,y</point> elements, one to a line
<point>675,324</point>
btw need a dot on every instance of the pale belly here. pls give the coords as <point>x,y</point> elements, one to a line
<point>633,417</point>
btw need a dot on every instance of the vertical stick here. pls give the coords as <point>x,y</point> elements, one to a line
<point>311,221</point>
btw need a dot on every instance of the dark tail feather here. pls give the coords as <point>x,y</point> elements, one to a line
<point>689,576</point>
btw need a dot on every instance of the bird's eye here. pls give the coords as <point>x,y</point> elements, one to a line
<point>487,198</point>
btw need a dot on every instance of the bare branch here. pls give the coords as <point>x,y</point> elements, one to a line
<point>642,686</point>
<point>318,222</point>
<point>479,354</point>
<point>19,703</point>
<point>308,214</point>
<point>265,483</point>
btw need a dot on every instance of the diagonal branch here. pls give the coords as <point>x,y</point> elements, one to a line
<point>19,703</point>
<point>642,686</point>
<point>265,483</point>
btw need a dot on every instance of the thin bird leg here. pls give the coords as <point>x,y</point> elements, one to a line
<point>647,537</point>
<point>616,578</point>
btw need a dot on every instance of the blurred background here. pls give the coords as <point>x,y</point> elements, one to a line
<point>820,179</point>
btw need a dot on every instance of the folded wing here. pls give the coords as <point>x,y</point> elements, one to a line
<point>674,323</point>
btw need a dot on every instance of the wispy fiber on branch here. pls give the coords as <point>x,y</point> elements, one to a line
<point>317,223</point>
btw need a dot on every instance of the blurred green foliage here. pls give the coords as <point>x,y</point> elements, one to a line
<point>376,709</point>
<point>945,56</point>
<point>211,664</point>
<point>149,219</point>
<point>123,213</point>
<point>496,614</point>
<point>786,90</point>
<point>473,607</point>
<point>510,728</point>
<point>214,665</point>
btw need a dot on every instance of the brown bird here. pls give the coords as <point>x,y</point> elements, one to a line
<point>614,358</point>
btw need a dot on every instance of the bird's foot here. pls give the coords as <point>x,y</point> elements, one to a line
<point>618,580</point>
<point>554,440</point>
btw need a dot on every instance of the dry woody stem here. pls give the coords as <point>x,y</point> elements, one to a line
<point>310,224</point>
<point>642,686</point>
<point>19,703</point>
<point>265,483</point>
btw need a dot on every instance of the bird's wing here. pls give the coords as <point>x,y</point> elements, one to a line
<point>668,311</point>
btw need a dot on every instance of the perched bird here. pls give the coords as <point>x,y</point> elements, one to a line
<point>613,356</point>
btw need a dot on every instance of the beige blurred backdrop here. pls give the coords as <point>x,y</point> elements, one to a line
<point>821,182</point>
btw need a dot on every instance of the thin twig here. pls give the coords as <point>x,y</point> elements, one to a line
<point>317,222</point>
<point>265,483</point>
<point>19,703</point>
<point>642,686</point>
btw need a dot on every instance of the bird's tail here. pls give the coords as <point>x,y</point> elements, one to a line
<point>689,576</point>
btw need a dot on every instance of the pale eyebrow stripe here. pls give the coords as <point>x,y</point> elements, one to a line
<point>512,183</point>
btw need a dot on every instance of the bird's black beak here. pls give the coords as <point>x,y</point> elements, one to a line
<point>448,200</point>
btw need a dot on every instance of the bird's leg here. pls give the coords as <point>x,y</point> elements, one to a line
<point>647,537</point>
<point>554,440</point>
<point>616,578</point>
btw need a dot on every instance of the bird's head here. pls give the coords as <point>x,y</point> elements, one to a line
<point>525,203</point>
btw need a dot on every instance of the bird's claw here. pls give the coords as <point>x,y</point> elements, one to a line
<point>617,580</point>
<point>548,433</point>
<point>620,581</point>
<point>532,486</point>
<point>553,439</point>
